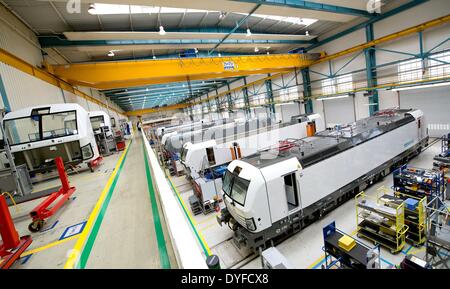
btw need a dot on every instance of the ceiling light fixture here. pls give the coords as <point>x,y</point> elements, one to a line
<point>249,33</point>
<point>161,30</point>
<point>421,86</point>
<point>333,97</point>
<point>92,9</point>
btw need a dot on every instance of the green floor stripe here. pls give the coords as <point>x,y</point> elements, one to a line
<point>94,232</point>
<point>163,256</point>
<point>190,222</point>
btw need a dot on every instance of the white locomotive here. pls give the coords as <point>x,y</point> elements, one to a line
<point>273,194</point>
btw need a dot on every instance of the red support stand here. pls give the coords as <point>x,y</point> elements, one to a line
<point>95,163</point>
<point>11,246</point>
<point>53,202</point>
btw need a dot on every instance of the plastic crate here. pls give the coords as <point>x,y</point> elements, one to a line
<point>347,243</point>
<point>411,204</point>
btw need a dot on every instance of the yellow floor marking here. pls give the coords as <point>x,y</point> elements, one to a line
<point>200,234</point>
<point>316,262</point>
<point>209,226</point>
<point>76,251</point>
<point>24,254</point>
<point>207,220</point>
<point>416,251</point>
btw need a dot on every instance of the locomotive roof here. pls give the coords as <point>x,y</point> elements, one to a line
<point>311,150</point>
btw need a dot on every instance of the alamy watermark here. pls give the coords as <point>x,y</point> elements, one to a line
<point>374,6</point>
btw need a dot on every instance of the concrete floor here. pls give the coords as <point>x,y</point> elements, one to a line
<point>126,238</point>
<point>304,249</point>
<point>88,188</point>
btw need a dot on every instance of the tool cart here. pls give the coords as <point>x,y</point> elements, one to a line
<point>381,223</point>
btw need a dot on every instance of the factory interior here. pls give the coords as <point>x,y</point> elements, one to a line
<point>225,134</point>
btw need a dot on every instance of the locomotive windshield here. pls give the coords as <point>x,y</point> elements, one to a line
<point>41,126</point>
<point>183,154</point>
<point>235,187</point>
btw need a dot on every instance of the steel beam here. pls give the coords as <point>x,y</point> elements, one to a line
<point>234,29</point>
<point>55,41</point>
<point>157,109</point>
<point>308,5</point>
<point>372,20</point>
<point>387,38</point>
<point>43,75</point>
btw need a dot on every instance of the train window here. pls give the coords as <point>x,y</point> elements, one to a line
<point>235,187</point>
<point>290,186</point>
<point>239,190</point>
<point>210,156</point>
<point>227,183</point>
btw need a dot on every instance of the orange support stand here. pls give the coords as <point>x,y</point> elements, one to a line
<point>11,246</point>
<point>51,204</point>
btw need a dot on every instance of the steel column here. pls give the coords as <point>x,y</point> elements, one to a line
<point>219,109</point>
<point>246,100</point>
<point>230,101</point>
<point>270,97</point>
<point>371,71</point>
<point>307,90</point>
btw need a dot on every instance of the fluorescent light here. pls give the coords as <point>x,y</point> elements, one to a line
<point>249,33</point>
<point>334,97</point>
<point>161,30</point>
<point>421,86</point>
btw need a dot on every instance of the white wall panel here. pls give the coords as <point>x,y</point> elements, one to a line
<point>388,99</point>
<point>411,17</point>
<point>24,90</point>
<point>435,104</point>
<point>288,110</point>
<point>339,111</point>
<point>15,43</point>
<point>361,105</point>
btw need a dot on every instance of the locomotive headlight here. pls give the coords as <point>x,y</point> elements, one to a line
<point>250,224</point>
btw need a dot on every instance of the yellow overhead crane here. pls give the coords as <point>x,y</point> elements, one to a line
<point>111,75</point>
